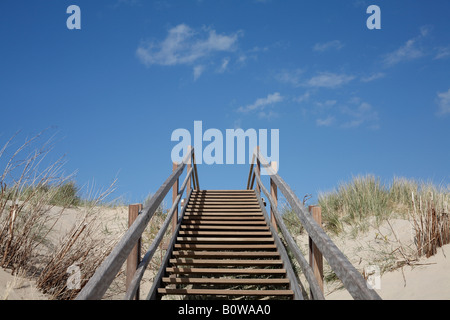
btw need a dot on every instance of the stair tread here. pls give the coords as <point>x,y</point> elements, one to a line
<point>226,292</point>
<point>246,271</point>
<point>219,218</point>
<point>198,227</point>
<point>225,254</point>
<point>229,262</point>
<point>222,239</point>
<point>225,246</point>
<point>229,281</point>
<point>223,233</point>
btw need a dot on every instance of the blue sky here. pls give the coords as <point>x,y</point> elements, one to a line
<point>347,100</point>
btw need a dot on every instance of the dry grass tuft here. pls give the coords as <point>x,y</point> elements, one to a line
<point>33,197</point>
<point>431,222</point>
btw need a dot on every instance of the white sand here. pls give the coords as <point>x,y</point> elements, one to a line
<point>422,279</point>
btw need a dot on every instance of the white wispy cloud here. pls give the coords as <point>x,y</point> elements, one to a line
<point>320,80</point>
<point>260,104</point>
<point>354,113</point>
<point>291,77</point>
<point>360,114</point>
<point>223,67</point>
<point>411,50</point>
<point>302,98</point>
<point>184,45</point>
<point>326,122</point>
<point>329,80</point>
<point>373,77</point>
<point>444,102</point>
<point>198,70</point>
<point>330,45</point>
<point>442,52</point>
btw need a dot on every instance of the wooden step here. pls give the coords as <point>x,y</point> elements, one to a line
<point>226,254</point>
<point>224,195</point>
<point>222,191</point>
<point>227,281</point>
<point>220,271</point>
<point>240,212</point>
<point>222,239</point>
<point>224,202</point>
<point>218,218</point>
<point>223,206</point>
<point>225,210</point>
<point>225,262</point>
<point>197,246</point>
<point>229,203</point>
<point>225,233</point>
<point>226,292</point>
<point>222,227</point>
<point>193,222</point>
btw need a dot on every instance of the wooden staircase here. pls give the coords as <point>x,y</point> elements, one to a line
<point>224,246</point>
<point>224,249</point>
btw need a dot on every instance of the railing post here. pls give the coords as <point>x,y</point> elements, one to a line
<point>315,256</point>
<point>174,196</point>
<point>135,254</point>
<point>189,165</point>
<point>258,169</point>
<point>274,194</point>
<point>195,172</point>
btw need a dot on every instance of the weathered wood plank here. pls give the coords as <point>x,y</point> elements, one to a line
<point>226,233</point>
<point>157,281</point>
<point>226,254</point>
<point>156,241</point>
<point>195,222</point>
<point>105,274</point>
<point>223,227</point>
<point>227,281</point>
<point>350,277</point>
<point>222,239</point>
<point>304,265</point>
<point>226,292</point>
<point>225,262</point>
<point>252,218</point>
<point>192,246</point>
<point>294,284</point>
<point>221,271</point>
<point>232,212</point>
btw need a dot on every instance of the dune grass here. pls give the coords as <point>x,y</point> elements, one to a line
<point>34,194</point>
<point>357,202</point>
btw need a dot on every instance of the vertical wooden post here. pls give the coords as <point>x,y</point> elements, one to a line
<point>315,256</point>
<point>174,197</point>
<point>135,255</point>
<point>258,170</point>
<point>274,194</point>
<point>189,165</point>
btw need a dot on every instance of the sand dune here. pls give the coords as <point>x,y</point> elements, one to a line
<point>422,279</point>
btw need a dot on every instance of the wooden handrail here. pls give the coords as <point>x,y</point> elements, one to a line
<point>350,277</point>
<point>105,274</point>
<point>295,286</point>
<point>304,265</point>
<point>152,295</point>
<point>134,285</point>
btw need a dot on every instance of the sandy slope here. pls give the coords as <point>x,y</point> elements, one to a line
<point>392,244</point>
<point>379,246</point>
